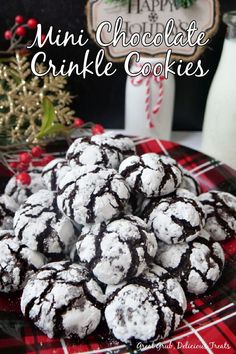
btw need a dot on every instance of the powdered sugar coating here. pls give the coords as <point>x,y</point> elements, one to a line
<point>53,171</point>
<point>190,183</point>
<point>151,175</point>
<point>6,234</point>
<point>40,225</point>
<point>17,263</point>
<point>20,192</point>
<point>185,193</point>
<point>142,203</point>
<point>220,208</point>
<point>123,145</point>
<point>197,264</point>
<point>8,208</point>
<point>63,301</point>
<point>118,250</point>
<point>175,219</point>
<point>148,307</point>
<point>107,150</point>
<point>91,194</point>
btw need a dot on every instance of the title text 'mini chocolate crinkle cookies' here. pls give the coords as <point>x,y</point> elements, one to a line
<point>151,175</point>
<point>91,194</point>
<point>197,264</point>
<point>8,208</point>
<point>220,208</point>
<point>53,171</point>
<point>175,219</point>
<point>41,226</point>
<point>63,301</point>
<point>117,250</point>
<point>105,150</point>
<point>17,262</point>
<point>149,307</point>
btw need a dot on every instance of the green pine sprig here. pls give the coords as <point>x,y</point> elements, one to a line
<point>179,3</point>
<point>118,2</point>
<point>184,3</point>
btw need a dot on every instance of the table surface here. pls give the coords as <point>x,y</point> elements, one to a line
<point>190,139</point>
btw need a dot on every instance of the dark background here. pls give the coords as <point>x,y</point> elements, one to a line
<point>102,99</point>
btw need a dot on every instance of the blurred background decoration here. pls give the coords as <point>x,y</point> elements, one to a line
<point>180,3</point>
<point>219,129</point>
<point>102,99</point>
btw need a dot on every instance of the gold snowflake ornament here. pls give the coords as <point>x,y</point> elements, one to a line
<point>21,97</point>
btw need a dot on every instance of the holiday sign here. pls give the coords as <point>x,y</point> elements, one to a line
<point>152,27</point>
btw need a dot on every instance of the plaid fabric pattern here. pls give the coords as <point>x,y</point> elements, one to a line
<point>209,325</point>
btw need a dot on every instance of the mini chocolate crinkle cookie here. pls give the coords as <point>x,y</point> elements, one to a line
<point>179,192</point>
<point>185,193</point>
<point>197,264</point>
<point>149,307</point>
<point>8,208</point>
<point>190,183</point>
<point>53,171</point>
<point>63,301</point>
<point>6,234</point>
<point>175,219</point>
<point>17,262</point>
<point>143,203</point>
<point>151,175</point>
<point>123,145</point>
<point>41,226</point>
<point>220,208</point>
<point>136,202</point>
<point>117,250</point>
<point>91,194</point>
<point>20,192</point>
<point>107,150</point>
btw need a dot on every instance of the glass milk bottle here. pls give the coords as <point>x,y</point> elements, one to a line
<point>149,103</point>
<point>219,130</point>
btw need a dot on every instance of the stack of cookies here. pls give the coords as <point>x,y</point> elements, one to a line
<point>105,233</point>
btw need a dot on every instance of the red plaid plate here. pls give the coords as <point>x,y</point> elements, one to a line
<point>209,325</point>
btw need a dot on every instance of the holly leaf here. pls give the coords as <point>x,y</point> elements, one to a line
<point>49,114</point>
<point>49,126</point>
<point>54,129</point>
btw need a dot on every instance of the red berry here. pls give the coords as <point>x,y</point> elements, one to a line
<point>46,160</point>
<point>8,35</point>
<point>78,122</point>
<point>32,23</point>
<point>23,178</point>
<point>37,163</point>
<point>22,166</point>
<point>37,151</point>
<point>25,157</point>
<point>97,129</point>
<point>19,19</point>
<point>13,164</point>
<point>20,31</point>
